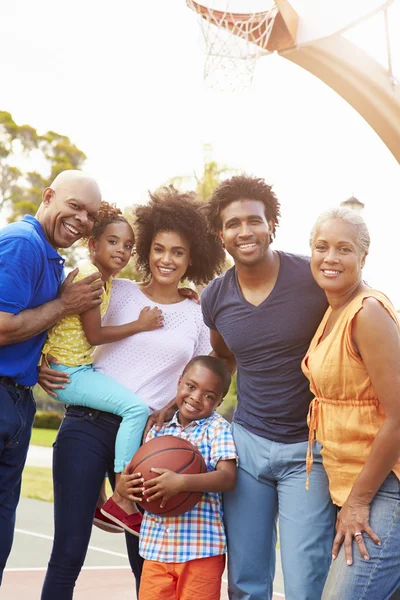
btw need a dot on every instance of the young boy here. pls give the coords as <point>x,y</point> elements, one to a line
<point>185,555</point>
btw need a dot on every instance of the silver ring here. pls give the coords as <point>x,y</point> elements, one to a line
<point>357,533</point>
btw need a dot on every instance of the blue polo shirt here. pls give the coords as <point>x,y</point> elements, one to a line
<point>31,273</point>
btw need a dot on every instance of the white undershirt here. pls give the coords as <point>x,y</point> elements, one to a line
<point>150,363</point>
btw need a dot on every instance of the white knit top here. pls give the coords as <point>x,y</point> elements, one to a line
<point>150,363</point>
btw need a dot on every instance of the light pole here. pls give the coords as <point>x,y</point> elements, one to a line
<point>353,204</point>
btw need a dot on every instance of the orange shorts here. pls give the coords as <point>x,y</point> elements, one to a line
<point>198,579</point>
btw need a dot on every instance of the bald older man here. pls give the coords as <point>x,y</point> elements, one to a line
<point>33,297</point>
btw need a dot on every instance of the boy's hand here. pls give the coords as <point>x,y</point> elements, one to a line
<point>150,319</point>
<point>165,486</point>
<point>130,485</point>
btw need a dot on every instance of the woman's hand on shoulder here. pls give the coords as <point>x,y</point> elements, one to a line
<point>159,417</point>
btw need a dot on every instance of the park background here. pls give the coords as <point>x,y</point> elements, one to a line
<point>117,89</point>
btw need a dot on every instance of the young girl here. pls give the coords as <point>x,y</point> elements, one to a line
<point>72,343</point>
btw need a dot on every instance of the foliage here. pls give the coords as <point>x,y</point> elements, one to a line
<point>45,402</point>
<point>205,183</point>
<point>47,419</point>
<point>43,437</point>
<point>228,406</point>
<point>21,147</point>
<point>130,271</point>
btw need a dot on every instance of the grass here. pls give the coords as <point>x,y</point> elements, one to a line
<point>37,483</point>
<point>43,437</point>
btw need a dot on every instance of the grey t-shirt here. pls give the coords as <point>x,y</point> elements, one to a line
<point>269,342</point>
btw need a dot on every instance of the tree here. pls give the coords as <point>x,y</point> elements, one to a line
<point>204,184</point>
<point>21,147</point>
<point>15,142</point>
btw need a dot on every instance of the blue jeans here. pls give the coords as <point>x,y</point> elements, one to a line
<point>379,577</point>
<point>91,388</point>
<point>83,453</point>
<point>271,482</point>
<point>17,410</point>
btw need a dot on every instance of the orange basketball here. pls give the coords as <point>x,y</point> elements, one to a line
<point>176,454</point>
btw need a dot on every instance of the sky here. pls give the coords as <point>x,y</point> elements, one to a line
<point>124,80</point>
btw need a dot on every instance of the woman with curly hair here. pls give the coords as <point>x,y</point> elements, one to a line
<point>72,342</point>
<point>173,244</point>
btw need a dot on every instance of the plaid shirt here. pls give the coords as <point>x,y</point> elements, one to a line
<point>199,533</point>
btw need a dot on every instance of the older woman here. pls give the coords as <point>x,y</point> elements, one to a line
<point>353,365</point>
<point>172,244</point>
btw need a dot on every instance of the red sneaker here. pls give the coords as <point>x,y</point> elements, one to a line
<point>102,522</point>
<point>130,523</point>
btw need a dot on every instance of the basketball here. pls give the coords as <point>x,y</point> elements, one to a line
<point>176,454</point>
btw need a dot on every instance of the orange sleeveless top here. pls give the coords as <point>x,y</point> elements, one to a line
<point>345,414</point>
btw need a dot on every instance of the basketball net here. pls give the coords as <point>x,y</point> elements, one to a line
<point>234,42</point>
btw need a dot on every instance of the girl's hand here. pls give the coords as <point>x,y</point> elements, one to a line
<point>130,485</point>
<point>150,319</point>
<point>165,486</point>
<point>49,379</point>
<point>351,523</point>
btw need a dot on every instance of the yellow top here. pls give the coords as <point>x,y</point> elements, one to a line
<point>66,340</point>
<point>345,414</point>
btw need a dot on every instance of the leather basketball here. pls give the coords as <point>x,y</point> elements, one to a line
<point>176,454</point>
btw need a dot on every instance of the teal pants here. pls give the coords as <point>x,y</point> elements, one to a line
<point>91,388</point>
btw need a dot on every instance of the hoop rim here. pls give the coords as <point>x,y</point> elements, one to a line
<point>231,17</point>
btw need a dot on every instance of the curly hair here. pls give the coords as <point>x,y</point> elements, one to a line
<point>171,210</point>
<point>107,214</point>
<point>242,187</point>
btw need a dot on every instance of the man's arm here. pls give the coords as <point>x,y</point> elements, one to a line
<point>221,350</point>
<point>74,298</point>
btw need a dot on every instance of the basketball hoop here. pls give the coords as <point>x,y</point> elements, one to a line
<point>234,43</point>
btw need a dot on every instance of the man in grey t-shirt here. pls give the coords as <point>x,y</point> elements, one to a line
<point>262,314</point>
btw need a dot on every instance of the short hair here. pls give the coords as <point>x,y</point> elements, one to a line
<point>180,212</point>
<point>243,187</point>
<point>106,215</point>
<point>354,219</point>
<point>214,365</point>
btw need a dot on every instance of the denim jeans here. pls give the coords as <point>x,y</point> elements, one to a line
<point>272,482</point>
<point>17,410</point>
<point>379,577</point>
<point>83,453</point>
<point>91,388</point>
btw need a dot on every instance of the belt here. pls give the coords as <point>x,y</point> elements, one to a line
<point>8,381</point>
